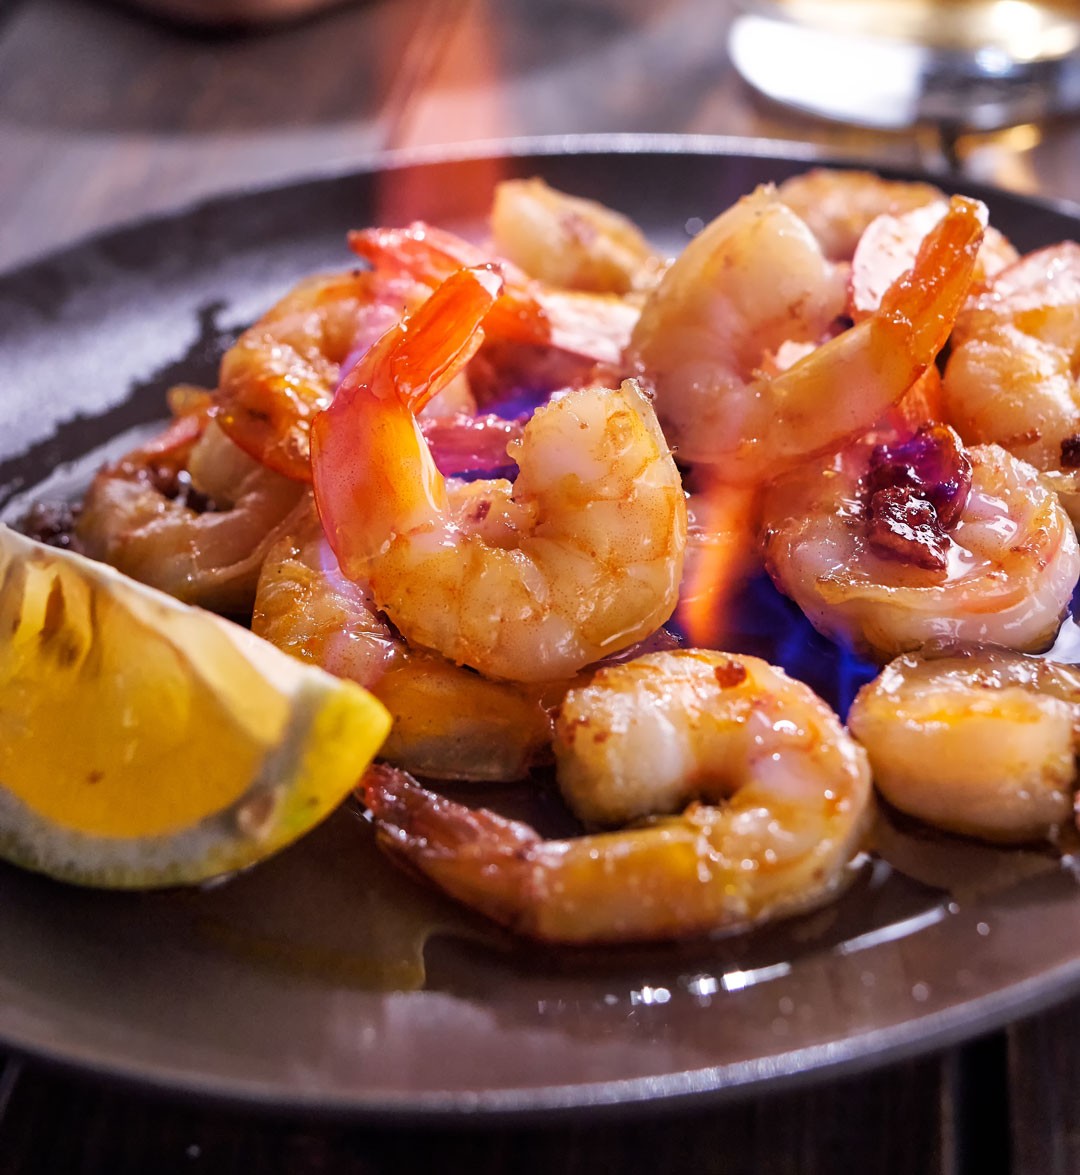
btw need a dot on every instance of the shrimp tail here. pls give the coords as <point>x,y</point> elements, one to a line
<point>376,465</point>
<point>419,356</point>
<point>431,255</point>
<point>474,855</point>
<point>167,453</point>
<point>411,816</point>
<point>920,307</point>
<point>902,342</point>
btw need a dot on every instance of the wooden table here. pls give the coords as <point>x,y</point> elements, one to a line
<point>107,115</point>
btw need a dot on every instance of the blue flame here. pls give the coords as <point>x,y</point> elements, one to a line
<point>763,623</point>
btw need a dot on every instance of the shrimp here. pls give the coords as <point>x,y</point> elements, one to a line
<point>569,242</point>
<point>775,800</point>
<point>1013,376</point>
<point>756,278</point>
<point>306,607</point>
<point>284,369</point>
<point>976,741</point>
<point>891,546</point>
<point>188,512</point>
<point>578,558</point>
<point>838,206</point>
<point>891,243</point>
<point>448,721</point>
<point>594,326</point>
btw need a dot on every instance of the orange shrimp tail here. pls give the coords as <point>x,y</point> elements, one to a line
<point>921,306</point>
<point>415,821</point>
<point>474,855</point>
<point>923,403</point>
<point>373,473</point>
<point>174,443</point>
<point>427,254</point>
<point>430,347</point>
<point>431,255</point>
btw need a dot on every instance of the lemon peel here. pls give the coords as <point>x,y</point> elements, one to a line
<point>145,742</point>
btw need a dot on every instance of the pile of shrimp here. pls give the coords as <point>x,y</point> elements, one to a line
<point>479,479</point>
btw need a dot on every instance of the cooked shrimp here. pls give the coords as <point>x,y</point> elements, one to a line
<point>891,243</point>
<point>775,799</point>
<point>838,206</point>
<point>306,607</point>
<point>756,278</point>
<point>569,242</point>
<point>448,721</point>
<point>977,741</point>
<point>452,723</point>
<point>1013,376</point>
<point>188,512</point>
<point>595,326</point>
<point>579,557</point>
<point>284,369</point>
<point>889,547</point>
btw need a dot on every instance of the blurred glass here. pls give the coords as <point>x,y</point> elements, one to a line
<point>969,64</point>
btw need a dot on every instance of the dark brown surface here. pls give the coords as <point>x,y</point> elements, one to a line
<point>106,115</point>
<point>889,1124</point>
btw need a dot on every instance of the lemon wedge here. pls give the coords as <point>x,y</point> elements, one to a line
<point>144,742</point>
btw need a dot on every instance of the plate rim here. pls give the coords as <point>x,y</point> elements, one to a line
<point>564,1104</point>
<point>540,146</point>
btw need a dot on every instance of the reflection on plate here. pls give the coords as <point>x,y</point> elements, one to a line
<point>289,985</point>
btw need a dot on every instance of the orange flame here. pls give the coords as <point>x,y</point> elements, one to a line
<point>449,91</point>
<point>721,554</point>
